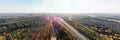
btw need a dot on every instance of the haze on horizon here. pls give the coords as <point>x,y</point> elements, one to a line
<point>59,6</point>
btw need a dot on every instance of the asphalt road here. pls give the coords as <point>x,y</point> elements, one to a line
<point>69,28</point>
<point>65,25</point>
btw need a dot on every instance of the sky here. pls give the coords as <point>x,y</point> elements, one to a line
<point>59,6</point>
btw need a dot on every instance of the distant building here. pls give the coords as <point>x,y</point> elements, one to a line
<point>2,20</point>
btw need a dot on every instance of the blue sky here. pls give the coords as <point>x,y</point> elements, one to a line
<point>20,2</point>
<point>60,6</point>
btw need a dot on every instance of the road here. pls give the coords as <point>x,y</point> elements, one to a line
<point>114,20</point>
<point>65,25</point>
<point>53,34</point>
